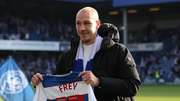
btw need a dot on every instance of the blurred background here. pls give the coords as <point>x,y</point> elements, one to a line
<point>36,32</point>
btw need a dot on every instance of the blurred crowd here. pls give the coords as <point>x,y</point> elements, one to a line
<point>39,28</point>
<point>159,68</point>
<point>163,65</point>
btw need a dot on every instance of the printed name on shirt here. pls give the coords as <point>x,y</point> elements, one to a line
<point>68,86</point>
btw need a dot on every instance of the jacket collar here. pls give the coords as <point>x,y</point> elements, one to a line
<point>107,43</point>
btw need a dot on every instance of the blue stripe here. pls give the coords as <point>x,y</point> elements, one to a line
<point>89,65</point>
<point>86,97</point>
<point>78,65</point>
<point>53,80</point>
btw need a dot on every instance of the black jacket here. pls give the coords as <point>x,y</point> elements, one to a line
<point>114,65</point>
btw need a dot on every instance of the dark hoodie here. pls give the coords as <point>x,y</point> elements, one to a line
<point>109,30</point>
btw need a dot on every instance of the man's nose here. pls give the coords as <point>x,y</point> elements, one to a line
<point>82,27</point>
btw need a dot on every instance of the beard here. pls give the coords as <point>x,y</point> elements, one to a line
<point>87,37</point>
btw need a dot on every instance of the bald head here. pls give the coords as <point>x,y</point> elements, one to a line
<point>89,12</point>
<point>87,23</point>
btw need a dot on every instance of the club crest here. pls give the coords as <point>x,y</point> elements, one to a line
<point>12,82</point>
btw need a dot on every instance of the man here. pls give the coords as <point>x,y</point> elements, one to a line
<point>104,64</point>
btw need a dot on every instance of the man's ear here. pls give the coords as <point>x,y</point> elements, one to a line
<point>98,23</point>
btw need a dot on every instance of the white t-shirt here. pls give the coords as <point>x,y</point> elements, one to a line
<point>87,51</point>
<point>67,87</point>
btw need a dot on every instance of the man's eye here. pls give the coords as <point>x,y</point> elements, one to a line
<point>77,23</point>
<point>87,23</point>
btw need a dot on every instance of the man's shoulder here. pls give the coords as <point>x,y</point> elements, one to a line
<point>120,45</point>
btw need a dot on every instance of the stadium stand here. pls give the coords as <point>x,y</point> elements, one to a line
<point>38,20</point>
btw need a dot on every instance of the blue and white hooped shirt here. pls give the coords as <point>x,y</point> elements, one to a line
<point>68,87</point>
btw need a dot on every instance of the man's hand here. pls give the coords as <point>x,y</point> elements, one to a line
<point>36,78</point>
<point>89,78</point>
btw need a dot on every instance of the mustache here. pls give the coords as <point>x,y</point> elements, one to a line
<point>84,32</point>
